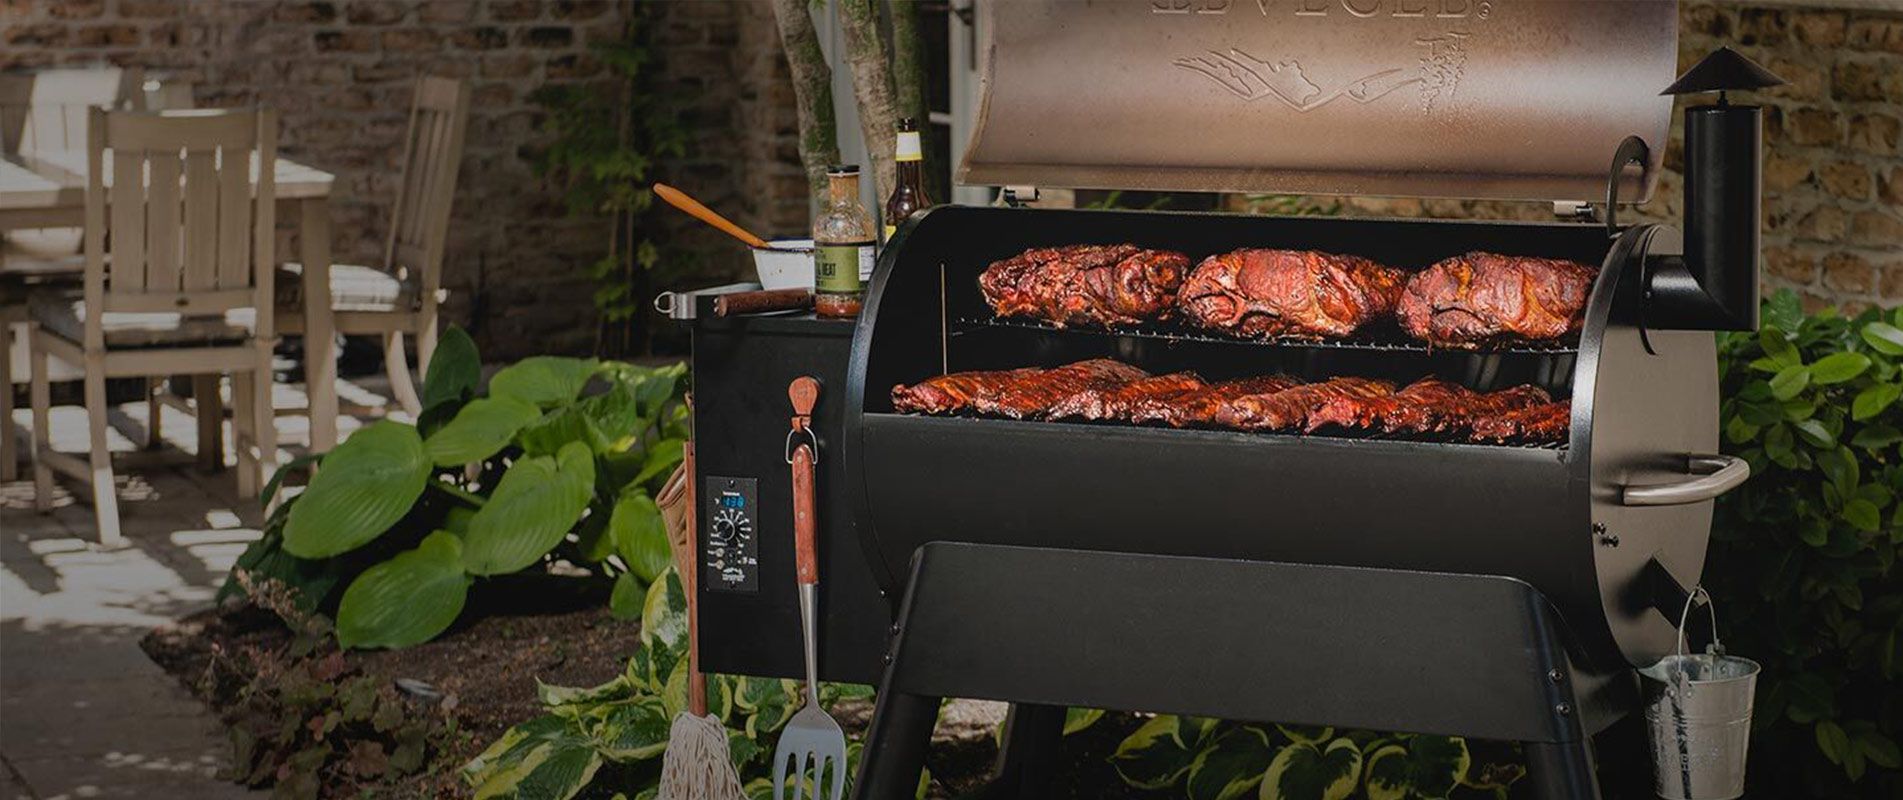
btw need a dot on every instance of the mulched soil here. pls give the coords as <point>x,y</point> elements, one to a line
<point>487,672</point>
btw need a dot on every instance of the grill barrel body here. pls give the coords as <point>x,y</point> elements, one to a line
<point>1524,512</point>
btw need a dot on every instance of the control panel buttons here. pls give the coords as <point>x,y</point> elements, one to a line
<point>730,555</point>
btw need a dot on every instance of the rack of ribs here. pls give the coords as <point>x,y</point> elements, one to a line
<point>956,392</point>
<point>1090,285</point>
<point>1544,423</point>
<point>1199,407</point>
<point>1429,405</point>
<point>1120,402</point>
<point>1470,300</point>
<point>1289,409</point>
<point>1296,293</point>
<point>1032,395</point>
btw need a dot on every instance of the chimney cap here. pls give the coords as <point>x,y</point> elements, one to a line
<point>1724,70</point>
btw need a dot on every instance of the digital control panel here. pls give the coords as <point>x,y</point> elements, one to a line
<point>730,552</point>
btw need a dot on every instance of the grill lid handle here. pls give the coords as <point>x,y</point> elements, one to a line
<point>1713,475</point>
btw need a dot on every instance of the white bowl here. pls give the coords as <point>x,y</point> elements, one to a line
<point>788,264</point>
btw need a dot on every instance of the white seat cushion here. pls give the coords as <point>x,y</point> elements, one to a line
<point>22,258</point>
<point>64,315</point>
<point>46,242</point>
<point>352,288</point>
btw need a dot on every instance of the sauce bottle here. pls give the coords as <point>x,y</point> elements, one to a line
<point>843,243</point>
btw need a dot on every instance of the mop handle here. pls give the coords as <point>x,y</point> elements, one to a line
<point>690,580</point>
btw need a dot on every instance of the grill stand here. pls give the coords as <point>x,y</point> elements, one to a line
<point>1045,628</point>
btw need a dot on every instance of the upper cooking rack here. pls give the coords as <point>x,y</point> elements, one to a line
<point>1378,337</point>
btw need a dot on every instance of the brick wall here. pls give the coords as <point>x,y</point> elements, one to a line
<point>340,71</point>
<point>1833,166</point>
<point>722,63</point>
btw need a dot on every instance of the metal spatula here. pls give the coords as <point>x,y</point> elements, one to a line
<point>811,740</point>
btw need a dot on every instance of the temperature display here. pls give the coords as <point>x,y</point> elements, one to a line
<point>730,555</point>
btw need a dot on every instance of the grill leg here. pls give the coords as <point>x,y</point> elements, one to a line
<point>1561,770</point>
<point>895,746</point>
<point>1624,744</point>
<point>1032,736</point>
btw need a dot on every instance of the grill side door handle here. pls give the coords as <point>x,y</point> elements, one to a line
<point>1712,475</point>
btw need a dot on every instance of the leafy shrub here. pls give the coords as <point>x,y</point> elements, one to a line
<point>610,738</point>
<point>1207,759</point>
<point>313,725</point>
<point>1803,557</point>
<point>406,518</point>
<point>309,726</point>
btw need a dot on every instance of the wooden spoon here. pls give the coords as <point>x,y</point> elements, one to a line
<point>680,200</point>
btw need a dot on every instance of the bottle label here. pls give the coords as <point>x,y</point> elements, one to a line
<point>889,230</point>
<point>837,266</point>
<point>908,149</point>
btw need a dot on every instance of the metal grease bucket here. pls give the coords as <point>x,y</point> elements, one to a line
<point>1698,716</point>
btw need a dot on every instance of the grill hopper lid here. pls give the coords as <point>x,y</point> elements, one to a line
<point>1503,99</point>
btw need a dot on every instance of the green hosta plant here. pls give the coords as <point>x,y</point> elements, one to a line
<point>612,737</point>
<point>1206,759</point>
<point>406,519</point>
<point>1803,555</point>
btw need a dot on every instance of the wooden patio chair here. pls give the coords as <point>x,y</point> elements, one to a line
<point>185,287</point>
<point>44,111</point>
<point>402,295</point>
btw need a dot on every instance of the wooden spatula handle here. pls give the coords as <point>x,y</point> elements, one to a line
<point>680,200</point>
<point>805,517</point>
<point>803,393</point>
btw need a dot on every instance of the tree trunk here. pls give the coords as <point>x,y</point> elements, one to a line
<point>812,89</point>
<point>908,78</point>
<point>867,52</point>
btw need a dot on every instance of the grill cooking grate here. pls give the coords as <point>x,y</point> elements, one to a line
<point>1326,433</point>
<point>1385,338</point>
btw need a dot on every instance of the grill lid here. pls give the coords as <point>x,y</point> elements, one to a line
<point>1504,99</point>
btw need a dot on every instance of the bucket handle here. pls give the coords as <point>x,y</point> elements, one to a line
<point>1684,619</point>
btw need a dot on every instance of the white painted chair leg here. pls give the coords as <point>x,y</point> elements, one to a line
<point>41,398</point>
<point>264,418</point>
<point>398,367</point>
<point>243,423</point>
<point>9,440</point>
<point>105,496</point>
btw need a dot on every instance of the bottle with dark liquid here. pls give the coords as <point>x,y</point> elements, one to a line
<point>908,196</point>
<point>842,246</point>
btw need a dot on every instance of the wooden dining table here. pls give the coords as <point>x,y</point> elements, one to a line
<point>48,190</point>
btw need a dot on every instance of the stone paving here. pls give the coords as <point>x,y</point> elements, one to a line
<point>83,712</point>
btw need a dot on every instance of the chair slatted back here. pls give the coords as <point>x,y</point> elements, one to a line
<point>432,155</point>
<point>47,111</point>
<point>190,201</point>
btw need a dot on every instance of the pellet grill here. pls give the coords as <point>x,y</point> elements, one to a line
<point>1496,591</point>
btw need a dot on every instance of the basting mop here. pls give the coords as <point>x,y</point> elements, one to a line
<point>698,765</point>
